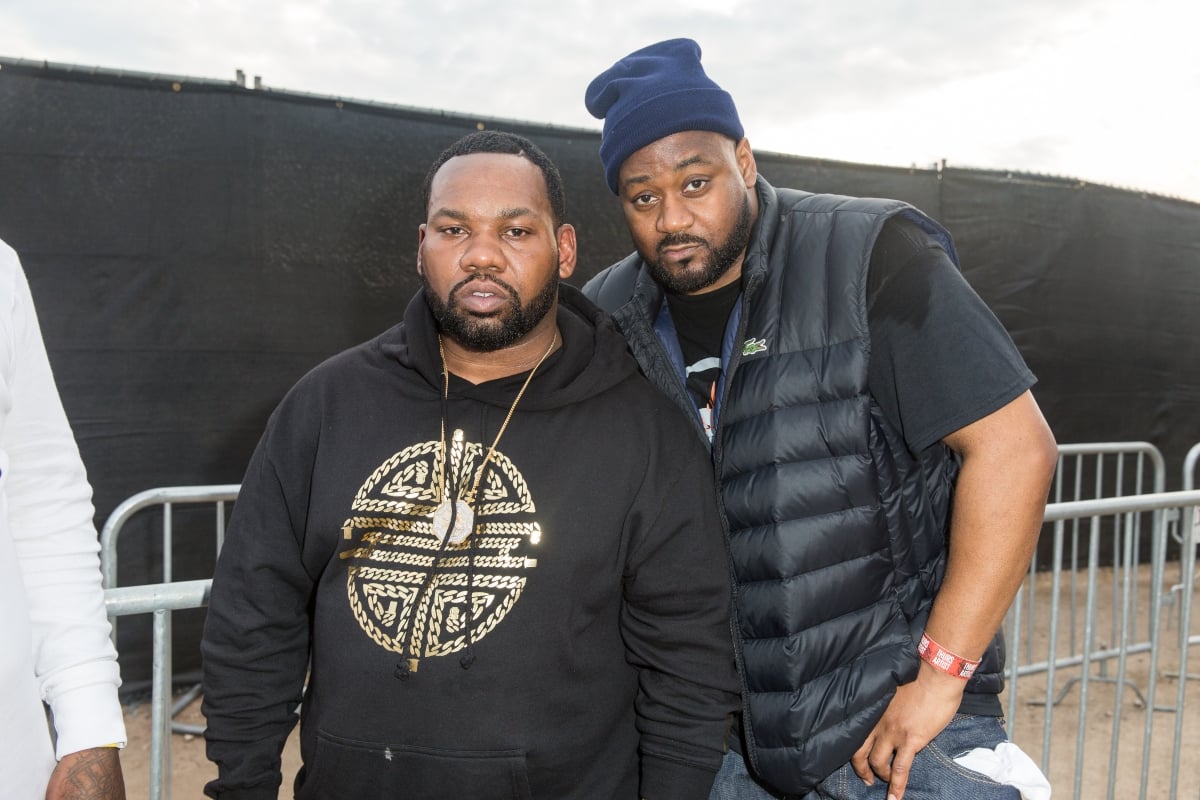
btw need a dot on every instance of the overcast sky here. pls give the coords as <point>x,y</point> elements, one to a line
<point>1107,91</point>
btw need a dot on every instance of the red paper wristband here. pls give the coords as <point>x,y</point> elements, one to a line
<point>943,660</point>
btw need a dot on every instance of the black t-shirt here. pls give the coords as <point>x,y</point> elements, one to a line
<point>700,327</point>
<point>940,359</point>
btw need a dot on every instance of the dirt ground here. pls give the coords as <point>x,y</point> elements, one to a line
<point>190,769</point>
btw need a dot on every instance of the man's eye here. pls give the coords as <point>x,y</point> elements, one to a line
<point>696,184</point>
<point>517,233</point>
<point>452,230</point>
<point>643,199</point>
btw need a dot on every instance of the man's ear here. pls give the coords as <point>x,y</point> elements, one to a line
<point>420,241</point>
<point>746,164</point>
<point>566,250</point>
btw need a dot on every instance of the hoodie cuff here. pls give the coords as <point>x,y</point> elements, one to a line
<point>87,717</point>
<point>673,780</point>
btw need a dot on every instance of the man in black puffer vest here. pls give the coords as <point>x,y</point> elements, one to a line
<point>881,462</point>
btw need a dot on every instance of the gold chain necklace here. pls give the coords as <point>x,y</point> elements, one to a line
<point>461,515</point>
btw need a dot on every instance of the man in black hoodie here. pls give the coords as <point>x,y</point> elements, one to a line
<point>493,539</point>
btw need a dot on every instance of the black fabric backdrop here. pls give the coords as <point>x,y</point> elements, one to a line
<point>194,247</point>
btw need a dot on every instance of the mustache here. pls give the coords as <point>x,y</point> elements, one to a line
<point>489,278</point>
<point>677,239</point>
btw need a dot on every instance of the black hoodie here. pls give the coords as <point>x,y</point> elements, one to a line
<point>578,646</point>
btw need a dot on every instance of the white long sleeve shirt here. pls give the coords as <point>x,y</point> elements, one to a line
<point>54,634</point>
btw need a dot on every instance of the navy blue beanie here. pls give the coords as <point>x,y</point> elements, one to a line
<point>652,93</point>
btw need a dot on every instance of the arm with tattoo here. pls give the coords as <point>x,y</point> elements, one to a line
<point>93,774</point>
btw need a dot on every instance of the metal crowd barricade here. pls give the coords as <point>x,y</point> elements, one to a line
<point>1189,466</point>
<point>1080,519</point>
<point>1148,654</point>
<point>160,600</point>
<point>166,497</point>
<point>1185,529</point>
<point>1085,472</point>
<point>1114,469</point>
<point>1190,463</point>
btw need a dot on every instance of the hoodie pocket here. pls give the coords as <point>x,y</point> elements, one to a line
<point>346,768</point>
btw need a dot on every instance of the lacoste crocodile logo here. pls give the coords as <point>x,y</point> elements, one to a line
<point>754,347</point>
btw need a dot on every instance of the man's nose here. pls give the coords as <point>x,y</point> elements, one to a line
<point>674,216</point>
<point>482,254</point>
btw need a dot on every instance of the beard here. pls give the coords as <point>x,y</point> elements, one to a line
<point>720,258</point>
<point>495,331</point>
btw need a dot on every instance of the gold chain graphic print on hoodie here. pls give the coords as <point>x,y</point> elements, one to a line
<point>412,591</point>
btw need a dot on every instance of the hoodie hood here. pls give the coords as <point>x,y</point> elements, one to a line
<point>594,357</point>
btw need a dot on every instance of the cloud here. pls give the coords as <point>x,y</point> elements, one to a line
<point>1093,88</point>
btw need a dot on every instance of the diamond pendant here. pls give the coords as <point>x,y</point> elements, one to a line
<point>464,521</point>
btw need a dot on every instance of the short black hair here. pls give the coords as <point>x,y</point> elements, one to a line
<point>510,144</point>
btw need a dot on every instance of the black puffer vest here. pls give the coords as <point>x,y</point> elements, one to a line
<point>837,531</point>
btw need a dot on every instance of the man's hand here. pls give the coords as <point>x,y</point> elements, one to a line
<point>93,774</point>
<point>918,712</point>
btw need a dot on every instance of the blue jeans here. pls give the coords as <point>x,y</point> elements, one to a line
<point>934,774</point>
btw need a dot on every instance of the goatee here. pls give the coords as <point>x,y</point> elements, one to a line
<point>720,258</point>
<point>495,331</point>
